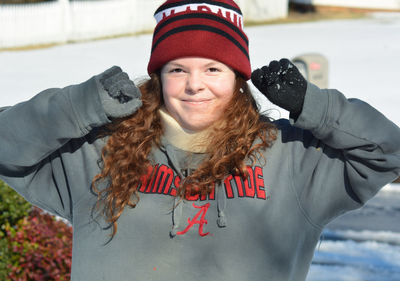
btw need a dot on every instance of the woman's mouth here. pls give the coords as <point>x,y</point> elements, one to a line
<point>197,102</point>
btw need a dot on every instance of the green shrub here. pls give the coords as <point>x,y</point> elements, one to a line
<point>5,257</point>
<point>13,207</point>
<point>38,248</point>
<point>33,244</point>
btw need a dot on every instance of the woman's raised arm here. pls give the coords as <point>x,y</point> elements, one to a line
<point>37,135</point>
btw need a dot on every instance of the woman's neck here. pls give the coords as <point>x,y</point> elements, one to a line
<point>182,138</point>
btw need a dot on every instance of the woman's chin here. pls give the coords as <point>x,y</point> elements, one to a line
<point>196,126</point>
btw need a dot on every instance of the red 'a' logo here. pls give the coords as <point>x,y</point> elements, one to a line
<point>203,210</point>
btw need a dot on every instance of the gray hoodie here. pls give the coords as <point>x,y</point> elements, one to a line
<point>333,158</point>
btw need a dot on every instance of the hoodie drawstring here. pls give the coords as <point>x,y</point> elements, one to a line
<point>221,221</point>
<point>176,216</point>
<point>177,206</point>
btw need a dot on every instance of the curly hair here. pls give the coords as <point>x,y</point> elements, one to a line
<point>125,155</point>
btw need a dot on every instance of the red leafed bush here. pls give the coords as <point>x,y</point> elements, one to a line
<point>41,248</point>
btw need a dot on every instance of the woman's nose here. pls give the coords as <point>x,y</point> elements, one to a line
<point>194,83</point>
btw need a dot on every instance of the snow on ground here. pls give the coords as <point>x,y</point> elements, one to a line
<point>362,245</point>
<point>362,260</point>
<point>364,58</point>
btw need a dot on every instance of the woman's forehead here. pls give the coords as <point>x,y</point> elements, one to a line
<point>196,62</point>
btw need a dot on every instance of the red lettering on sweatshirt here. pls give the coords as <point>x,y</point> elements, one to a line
<point>144,180</point>
<point>239,185</point>
<point>249,184</point>
<point>157,181</point>
<point>153,176</point>
<point>164,178</point>
<point>209,196</point>
<point>161,179</point>
<point>228,187</point>
<point>202,197</point>
<point>258,176</point>
<point>192,197</point>
<point>191,222</point>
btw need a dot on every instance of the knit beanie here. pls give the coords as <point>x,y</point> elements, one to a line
<point>204,28</point>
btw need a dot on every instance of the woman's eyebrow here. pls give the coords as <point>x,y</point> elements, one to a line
<point>174,64</point>
<point>213,63</point>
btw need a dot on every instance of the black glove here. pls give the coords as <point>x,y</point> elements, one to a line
<point>121,97</point>
<point>282,83</point>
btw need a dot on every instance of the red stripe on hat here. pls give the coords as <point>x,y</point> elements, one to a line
<point>198,43</point>
<point>200,17</point>
<point>239,37</point>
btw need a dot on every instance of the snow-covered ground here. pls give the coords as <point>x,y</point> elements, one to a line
<point>364,62</point>
<point>362,245</point>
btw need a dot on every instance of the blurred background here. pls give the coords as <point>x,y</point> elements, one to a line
<point>351,45</point>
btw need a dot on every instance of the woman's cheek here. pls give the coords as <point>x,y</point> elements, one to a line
<point>171,88</point>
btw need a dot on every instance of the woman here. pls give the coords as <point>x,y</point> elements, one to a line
<point>182,178</point>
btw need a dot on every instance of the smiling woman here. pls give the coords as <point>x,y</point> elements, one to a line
<point>196,91</point>
<point>192,105</point>
<point>181,177</point>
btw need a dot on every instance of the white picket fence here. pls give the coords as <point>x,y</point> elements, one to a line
<point>65,21</point>
<point>364,4</point>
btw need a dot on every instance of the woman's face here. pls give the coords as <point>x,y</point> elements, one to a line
<point>196,90</point>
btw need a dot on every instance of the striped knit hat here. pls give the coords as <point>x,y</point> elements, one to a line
<point>200,28</point>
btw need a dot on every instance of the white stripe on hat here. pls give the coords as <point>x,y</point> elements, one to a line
<point>232,15</point>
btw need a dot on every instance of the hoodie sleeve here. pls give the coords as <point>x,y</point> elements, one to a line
<point>346,151</point>
<point>32,134</point>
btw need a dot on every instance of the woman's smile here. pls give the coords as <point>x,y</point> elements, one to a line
<point>197,102</point>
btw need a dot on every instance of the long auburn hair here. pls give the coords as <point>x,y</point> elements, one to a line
<point>125,155</point>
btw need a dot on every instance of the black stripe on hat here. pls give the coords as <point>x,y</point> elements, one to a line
<point>181,3</point>
<point>206,16</point>
<point>200,27</point>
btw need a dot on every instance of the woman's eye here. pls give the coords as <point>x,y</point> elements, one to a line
<point>213,69</point>
<point>176,70</point>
